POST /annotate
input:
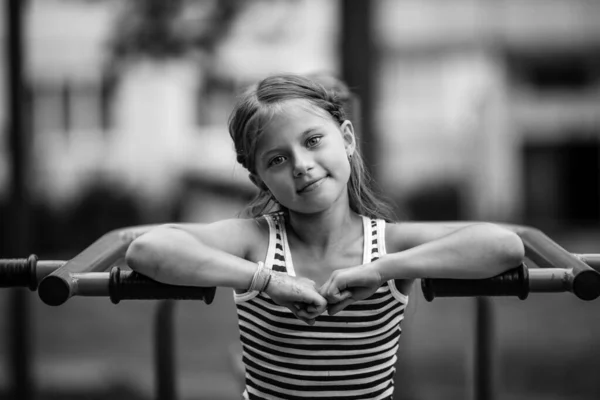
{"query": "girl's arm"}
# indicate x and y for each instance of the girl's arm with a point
(223, 254)
(196, 254)
(465, 251)
(456, 251)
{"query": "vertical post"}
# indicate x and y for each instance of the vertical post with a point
(165, 348)
(357, 63)
(17, 222)
(483, 357)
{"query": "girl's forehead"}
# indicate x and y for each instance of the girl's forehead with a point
(292, 118)
(296, 112)
(299, 108)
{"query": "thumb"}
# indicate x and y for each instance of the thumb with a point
(336, 308)
(341, 297)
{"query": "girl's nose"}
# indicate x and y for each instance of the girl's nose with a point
(302, 164)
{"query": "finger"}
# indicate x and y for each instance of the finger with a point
(324, 288)
(299, 313)
(307, 314)
(313, 302)
(312, 309)
(337, 296)
(317, 309)
(308, 320)
(336, 308)
(320, 304)
(332, 288)
(346, 294)
(293, 307)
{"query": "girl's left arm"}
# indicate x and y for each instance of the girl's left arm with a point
(429, 250)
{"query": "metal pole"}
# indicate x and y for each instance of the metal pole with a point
(483, 359)
(19, 345)
(358, 56)
(165, 352)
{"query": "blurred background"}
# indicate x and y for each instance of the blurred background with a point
(113, 113)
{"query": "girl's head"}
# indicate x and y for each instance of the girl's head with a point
(270, 99)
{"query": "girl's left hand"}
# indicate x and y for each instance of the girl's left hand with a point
(345, 286)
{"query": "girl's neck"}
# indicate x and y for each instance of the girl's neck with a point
(325, 229)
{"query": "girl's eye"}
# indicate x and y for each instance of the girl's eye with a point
(276, 160)
(313, 141)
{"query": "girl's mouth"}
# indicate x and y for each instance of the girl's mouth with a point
(312, 186)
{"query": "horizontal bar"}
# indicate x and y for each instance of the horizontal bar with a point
(59, 280)
(46, 267)
(593, 260)
(514, 282)
(546, 253)
(57, 287)
(130, 285)
(550, 280)
(91, 284)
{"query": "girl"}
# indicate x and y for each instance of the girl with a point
(321, 273)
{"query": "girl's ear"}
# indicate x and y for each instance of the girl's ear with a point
(349, 138)
(258, 182)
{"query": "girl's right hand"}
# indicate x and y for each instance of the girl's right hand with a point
(298, 294)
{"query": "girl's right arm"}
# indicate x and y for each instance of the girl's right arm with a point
(198, 254)
(218, 254)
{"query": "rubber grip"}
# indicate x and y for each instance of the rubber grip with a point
(130, 285)
(19, 272)
(514, 282)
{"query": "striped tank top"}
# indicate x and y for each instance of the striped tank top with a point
(350, 355)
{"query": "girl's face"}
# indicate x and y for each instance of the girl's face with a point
(302, 158)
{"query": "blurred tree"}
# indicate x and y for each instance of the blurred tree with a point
(159, 29)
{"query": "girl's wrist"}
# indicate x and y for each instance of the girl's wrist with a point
(388, 267)
(375, 268)
(260, 279)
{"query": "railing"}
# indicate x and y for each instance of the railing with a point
(557, 271)
(548, 268)
(86, 275)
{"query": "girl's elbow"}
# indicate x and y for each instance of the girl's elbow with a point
(139, 257)
(512, 248)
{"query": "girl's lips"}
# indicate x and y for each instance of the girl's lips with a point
(312, 186)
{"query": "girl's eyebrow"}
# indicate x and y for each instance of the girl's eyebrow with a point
(309, 131)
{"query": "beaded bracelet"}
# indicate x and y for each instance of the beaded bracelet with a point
(261, 278)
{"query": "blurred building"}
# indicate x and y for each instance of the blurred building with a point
(483, 109)
(154, 128)
(498, 99)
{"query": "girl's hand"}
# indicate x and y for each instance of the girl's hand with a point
(345, 286)
(298, 294)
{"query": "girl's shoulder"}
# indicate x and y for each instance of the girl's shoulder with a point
(401, 236)
(246, 229)
(243, 237)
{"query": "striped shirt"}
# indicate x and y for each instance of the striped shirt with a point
(350, 355)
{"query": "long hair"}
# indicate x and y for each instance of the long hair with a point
(261, 102)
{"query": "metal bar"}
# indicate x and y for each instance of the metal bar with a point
(45, 268)
(593, 260)
(483, 371)
(91, 284)
(548, 254)
(359, 60)
(547, 280)
(22, 383)
(164, 359)
(534, 279)
(59, 286)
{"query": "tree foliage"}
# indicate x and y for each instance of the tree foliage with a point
(161, 29)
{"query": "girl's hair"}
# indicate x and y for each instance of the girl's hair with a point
(261, 102)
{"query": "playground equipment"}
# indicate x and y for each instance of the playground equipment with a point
(548, 268)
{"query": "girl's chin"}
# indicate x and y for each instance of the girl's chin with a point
(315, 207)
